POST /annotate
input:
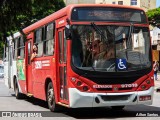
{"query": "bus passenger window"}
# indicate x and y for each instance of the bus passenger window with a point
(6, 54)
(39, 42)
(20, 48)
(34, 52)
(48, 45)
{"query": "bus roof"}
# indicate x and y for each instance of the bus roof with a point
(15, 35)
(66, 11)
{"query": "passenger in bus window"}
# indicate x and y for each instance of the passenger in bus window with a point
(34, 54)
(19, 57)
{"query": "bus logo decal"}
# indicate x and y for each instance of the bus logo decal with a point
(61, 22)
(115, 88)
(38, 64)
(121, 64)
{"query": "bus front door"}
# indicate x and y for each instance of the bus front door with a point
(29, 85)
(62, 45)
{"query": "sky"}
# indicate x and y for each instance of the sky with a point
(158, 3)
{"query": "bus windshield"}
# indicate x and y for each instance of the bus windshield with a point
(110, 48)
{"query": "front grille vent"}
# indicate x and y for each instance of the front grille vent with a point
(115, 97)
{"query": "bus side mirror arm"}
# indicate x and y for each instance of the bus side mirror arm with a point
(68, 32)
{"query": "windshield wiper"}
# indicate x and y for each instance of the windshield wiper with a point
(129, 42)
(99, 31)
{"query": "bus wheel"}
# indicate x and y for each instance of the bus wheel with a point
(51, 99)
(16, 90)
(117, 107)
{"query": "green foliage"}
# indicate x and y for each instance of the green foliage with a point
(154, 16)
(1, 49)
(43, 8)
(17, 14)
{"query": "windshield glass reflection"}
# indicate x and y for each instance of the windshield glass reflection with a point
(110, 48)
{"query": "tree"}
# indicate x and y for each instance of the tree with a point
(154, 16)
(17, 14)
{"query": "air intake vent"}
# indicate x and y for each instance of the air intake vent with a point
(115, 97)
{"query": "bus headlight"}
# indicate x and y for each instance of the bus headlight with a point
(80, 85)
(85, 88)
(145, 85)
(148, 81)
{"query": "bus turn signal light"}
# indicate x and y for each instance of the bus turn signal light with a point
(79, 83)
(85, 88)
(145, 85)
(148, 81)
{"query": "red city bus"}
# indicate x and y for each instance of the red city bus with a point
(88, 56)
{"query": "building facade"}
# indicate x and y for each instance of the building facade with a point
(145, 4)
(155, 41)
(155, 36)
(67, 2)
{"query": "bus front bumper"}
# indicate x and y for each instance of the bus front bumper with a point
(80, 99)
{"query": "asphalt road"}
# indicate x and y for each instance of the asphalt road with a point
(31, 107)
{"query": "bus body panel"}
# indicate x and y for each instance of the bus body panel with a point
(14, 72)
(22, 86)
(6, 73)
(13, 76)
(42, 70)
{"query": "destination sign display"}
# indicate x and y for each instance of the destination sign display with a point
(108, 14)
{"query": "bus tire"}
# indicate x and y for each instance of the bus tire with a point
(51, 99)
(117, 107)
(16, 90)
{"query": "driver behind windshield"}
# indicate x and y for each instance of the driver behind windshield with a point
(89, 50)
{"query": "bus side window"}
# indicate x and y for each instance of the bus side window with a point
(48, 41)
(15, 48)
(20, 48)
(38, 41)
(5, 58)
